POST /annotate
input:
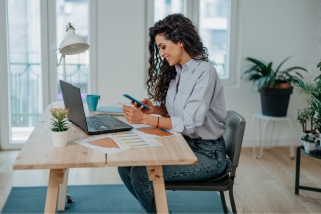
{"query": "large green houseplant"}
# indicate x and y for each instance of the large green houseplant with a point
(275, 86)
(312, 90)
(310, 137)
(312, 112)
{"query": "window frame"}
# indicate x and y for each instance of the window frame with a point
(48, 63)
(191, 10)
(5, 133)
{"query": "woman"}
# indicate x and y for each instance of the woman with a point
(190, 96)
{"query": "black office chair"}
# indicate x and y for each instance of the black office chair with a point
(233, 136)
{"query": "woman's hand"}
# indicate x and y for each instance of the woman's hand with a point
(133, 114)
(152, 109)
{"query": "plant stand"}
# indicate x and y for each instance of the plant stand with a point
(260, 117)
(297, 171)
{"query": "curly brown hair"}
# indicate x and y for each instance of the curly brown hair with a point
(175, 27)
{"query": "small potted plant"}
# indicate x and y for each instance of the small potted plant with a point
(310, 143)
(309, 137)
(59, 130)
(274, 85)
(313, 112)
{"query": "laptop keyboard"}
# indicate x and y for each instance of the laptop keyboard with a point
(97, 124)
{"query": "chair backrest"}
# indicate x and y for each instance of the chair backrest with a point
(233, 136)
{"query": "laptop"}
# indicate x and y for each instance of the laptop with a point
(91, 125)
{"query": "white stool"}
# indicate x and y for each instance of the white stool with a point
(266, 119)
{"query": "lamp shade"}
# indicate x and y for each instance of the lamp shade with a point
(73, 44)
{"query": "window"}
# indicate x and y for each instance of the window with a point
(212, 18)
(213, 29)
(31, 34)
(77, 66)
(217, 8)
(162, 8)
(24, 67)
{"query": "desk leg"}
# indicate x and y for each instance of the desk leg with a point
(63, 192)
(155, 174)
(55, 178)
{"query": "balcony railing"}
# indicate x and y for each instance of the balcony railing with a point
(26, 90)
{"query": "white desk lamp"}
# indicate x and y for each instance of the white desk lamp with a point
(72, 44)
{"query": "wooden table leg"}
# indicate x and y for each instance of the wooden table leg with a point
(155, 174)
(55, 178)
(61, 205)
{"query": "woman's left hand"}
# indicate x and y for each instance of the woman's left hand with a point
(133, 115)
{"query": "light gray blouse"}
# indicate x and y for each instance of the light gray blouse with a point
(197, 107)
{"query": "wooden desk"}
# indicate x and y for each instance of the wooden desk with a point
(39, 153)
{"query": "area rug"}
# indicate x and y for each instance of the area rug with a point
(109, 199)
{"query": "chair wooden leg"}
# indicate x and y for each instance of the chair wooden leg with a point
(223, 202)
(232, 198)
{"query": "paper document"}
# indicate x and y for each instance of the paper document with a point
(103, 143)
(139, 137)
(151, 130)
(132, 139)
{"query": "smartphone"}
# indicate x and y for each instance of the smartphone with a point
(136, 101)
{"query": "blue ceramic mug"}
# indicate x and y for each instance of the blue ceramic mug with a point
(92, 101)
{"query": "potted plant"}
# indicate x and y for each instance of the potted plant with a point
(310, 137)
(313, 112)
(274, 85)
(59, 130)
(310, 143)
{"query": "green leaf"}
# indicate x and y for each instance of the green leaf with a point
(277, 70)
(266, 82)
(272, 80)
(269, 81)
(254, 76)
(318, 78)
(257, 62)
(259, 83)
(269, 69)
(256, 86)
(264, 75)
(295, 68)
(255, 69)
(297, 73)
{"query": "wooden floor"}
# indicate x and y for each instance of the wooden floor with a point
(264, 185)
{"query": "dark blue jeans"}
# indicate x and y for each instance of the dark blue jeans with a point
(211, 157)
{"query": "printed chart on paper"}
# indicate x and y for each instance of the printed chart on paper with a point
(130, 139)
(139, 137)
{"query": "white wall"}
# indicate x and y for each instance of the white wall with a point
(268, 30)
(271, 31)
(274, 29)
(121, 49)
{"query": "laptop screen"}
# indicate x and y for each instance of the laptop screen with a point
(73, 101)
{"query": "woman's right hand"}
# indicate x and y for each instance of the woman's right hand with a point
(152, 109)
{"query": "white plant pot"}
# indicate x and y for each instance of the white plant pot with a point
(309, 147)
(60, 139)
(303, 134)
